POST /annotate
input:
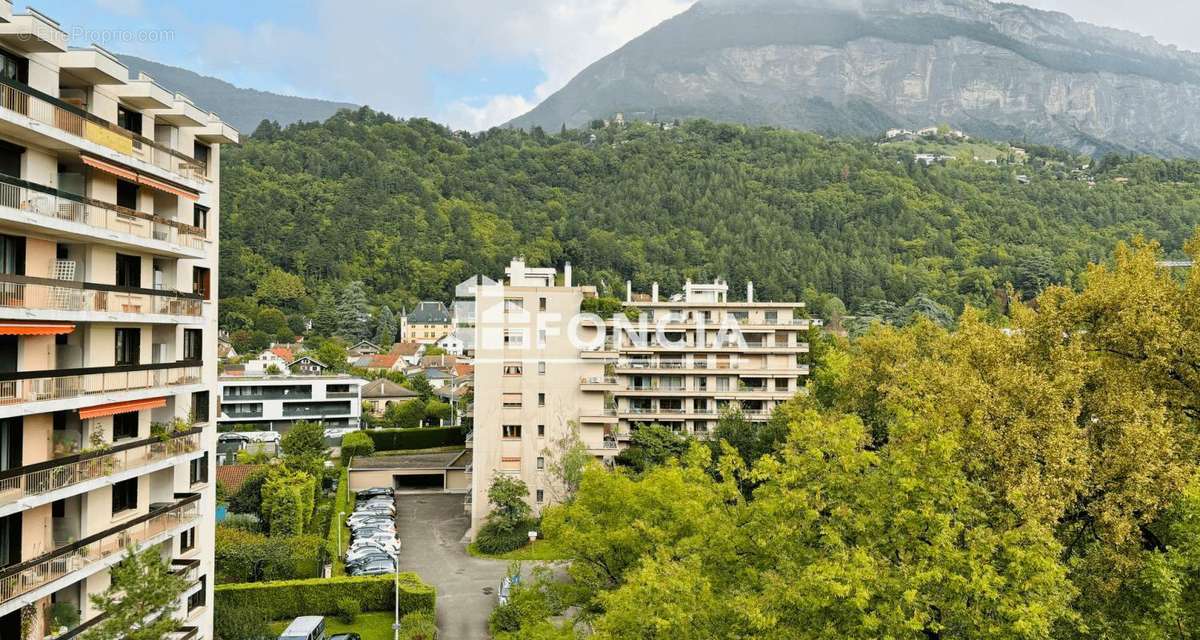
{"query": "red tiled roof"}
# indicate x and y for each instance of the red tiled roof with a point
(283, 352)
(463, 370)
(405, 348)
(233, 476)
(383, 361)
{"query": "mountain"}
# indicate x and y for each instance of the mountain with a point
(242, 108)
(1001, 71)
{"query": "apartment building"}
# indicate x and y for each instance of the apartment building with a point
(426, 324)
(108, 271)
(275, 403)
(684, 361)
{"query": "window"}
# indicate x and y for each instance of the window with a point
(541, 462)
(193, 344)
(198, 470)
(541, 304)
(772, 317)
(200, 406)
(129, 120)
(541, 368)
(337, 388)
(541, 399)
(514, 338)
(187, 540)
(127, 194)
(10, 540)
(129, 271)
(513, 305)
(200, 216)
(128, 346)
(196, 600)
(541, 496)
(512, 368)
(125, 425)
(14, 69)
(541, 431)
(201, 153)
(11, 442)
(201, 282)
(512, 400)
(124, 496)
(12, 255)
(511, 431)
(541, 338)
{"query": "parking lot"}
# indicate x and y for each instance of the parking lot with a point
(431, 527)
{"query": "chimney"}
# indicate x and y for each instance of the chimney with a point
(628, 291)
(749, 291)
(567, 275)
(654, 292)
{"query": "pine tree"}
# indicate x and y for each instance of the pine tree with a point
(352, 316)
(136, 605)
(385, 333)
(325, 320)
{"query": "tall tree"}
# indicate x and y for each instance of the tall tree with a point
(385, 331)
(137, 603)
(353, 319)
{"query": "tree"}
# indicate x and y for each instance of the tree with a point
(280, 289)
(333, 354)
(304, 447)
(404, 415)
(566, 458)
(248, 498)
(511, 518)
(385, 331)
(436, 412)
(356, 443)
(352, 315)
(420, 384)
(651, 446)
(138, 603)
(271, 321)
(288, 500)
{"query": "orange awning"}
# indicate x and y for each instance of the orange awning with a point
(167, 188)
(121, 407)
(34, 328)
(108, 167)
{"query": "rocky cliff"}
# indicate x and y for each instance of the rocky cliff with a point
(860, 66)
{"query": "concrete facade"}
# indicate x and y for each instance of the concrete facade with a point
(109, 216)
(274, 403)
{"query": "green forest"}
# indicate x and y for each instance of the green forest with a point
(409, 208)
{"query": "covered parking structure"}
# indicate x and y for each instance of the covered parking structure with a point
(447, 472)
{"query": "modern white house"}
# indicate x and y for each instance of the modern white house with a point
(275, 403)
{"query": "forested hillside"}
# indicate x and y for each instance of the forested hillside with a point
(410, 209)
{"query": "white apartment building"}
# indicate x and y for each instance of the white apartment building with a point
(275, 403)
(684, 362)
(109, 212)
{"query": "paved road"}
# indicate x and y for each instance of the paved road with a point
(431, 527)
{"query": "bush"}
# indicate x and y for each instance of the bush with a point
(500, 536)
(245, 556)
(248, 498)
(347, 610)
(288, 499)
(403, 439)
(243, 521)
(356, 443)
(240, 623)
(293, 598)
(418, 626)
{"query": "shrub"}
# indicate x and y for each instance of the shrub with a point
(293, 598)
(287, 501)
(232, 622)
(403, 415)
(402, 439)
(243, 521)
(246, 556)
(356, 443)
(347, 610)
(501, 536)
(418, 626)
(248, 498)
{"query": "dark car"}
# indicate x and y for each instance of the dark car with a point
(367, 560)
(374, 492)
(346, 636)
(376, 568)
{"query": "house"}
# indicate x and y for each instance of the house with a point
(437, 378)
(307, 366)
(383, 393)
(382, 362)
(225, 350)
(428, 322)
(451, 344)
(438, 362)
(363, 348)
(409, 353)
(928, 131)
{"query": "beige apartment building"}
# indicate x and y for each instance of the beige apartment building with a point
(687, 359)
(108, 272)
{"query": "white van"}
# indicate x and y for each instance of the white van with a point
(305, 628)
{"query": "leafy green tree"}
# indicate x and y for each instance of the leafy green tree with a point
(385, 331)
(271, 321)
(352, 316)
(404, 415)
(651, 446)
(420, 384)
(333, 354)
(356, 443)
(437, 412)
(304, 447)
(280, 289)
(139, 602)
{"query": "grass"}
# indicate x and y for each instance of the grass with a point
(409, 452)
(538, 551)
(371, 626)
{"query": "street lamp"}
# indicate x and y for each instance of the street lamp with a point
(396, 624)
(341, 523)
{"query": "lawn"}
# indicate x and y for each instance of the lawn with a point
(538, 551)
(371, 626)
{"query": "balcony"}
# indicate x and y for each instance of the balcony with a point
(258, 394)
(44, 207)
(26, 294)
(42, 478)
(598, 383)
(21, 387)
(51, 111)
(95, 550)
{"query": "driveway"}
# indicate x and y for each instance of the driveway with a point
(431, 527)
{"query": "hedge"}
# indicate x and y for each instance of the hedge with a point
(245, 556)
(403, 439)
(286, 599)
(343, 502)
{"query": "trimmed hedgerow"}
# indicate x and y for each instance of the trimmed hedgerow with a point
(293, 598)
(403, 439)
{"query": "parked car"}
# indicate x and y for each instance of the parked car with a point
(375, 492)
(366, 561)
(305, 628)
(346, 636)
(377, 508)
(386, 523)
(377, 568)
(369, 547)
(372, 532)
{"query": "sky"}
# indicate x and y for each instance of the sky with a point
(470, 64)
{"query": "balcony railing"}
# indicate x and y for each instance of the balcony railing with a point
(30, 197)
(51, 111)
(60, 384)
(52, 475)
(27, 576)
(45, 294)
(598, 380)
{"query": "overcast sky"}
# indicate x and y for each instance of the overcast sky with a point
(469, 63)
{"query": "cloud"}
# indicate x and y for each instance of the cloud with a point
(382, 52)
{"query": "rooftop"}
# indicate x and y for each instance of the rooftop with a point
(444, 460)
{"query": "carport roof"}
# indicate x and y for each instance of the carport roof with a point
(437, 461)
